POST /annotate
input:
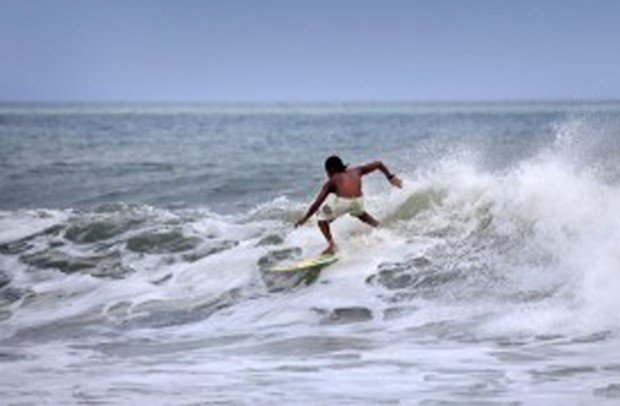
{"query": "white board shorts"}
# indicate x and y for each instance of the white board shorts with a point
(341, 206)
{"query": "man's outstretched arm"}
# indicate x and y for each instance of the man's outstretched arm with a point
(373, 166)
(325, 190)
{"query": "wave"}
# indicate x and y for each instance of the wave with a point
(464, 252)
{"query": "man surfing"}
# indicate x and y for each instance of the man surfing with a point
(346, 183)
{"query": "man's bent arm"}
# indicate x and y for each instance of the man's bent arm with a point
(373, 166)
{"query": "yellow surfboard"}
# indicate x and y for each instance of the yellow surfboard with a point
(305, 264)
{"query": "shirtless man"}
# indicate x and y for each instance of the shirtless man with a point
(347, 185)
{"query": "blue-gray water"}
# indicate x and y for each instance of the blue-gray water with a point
(135, 243)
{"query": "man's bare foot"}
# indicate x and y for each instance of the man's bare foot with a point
(330, 250)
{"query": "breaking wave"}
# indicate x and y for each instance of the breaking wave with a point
(464, 253)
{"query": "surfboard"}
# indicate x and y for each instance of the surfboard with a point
(310, 263)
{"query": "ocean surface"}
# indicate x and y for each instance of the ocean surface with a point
(136, 243)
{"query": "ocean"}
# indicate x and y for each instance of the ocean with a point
(136, 239)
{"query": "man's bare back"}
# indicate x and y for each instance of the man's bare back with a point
(346, 184)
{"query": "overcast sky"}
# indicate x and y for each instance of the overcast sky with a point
(308, 50)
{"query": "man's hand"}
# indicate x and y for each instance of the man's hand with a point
(395, 181)
(300, 222)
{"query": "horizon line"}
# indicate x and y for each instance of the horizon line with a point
(321, 102)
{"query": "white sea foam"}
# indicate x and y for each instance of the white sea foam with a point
(479, 283)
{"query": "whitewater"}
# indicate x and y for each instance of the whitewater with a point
(135, 243)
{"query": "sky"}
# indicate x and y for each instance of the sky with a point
(308, 50)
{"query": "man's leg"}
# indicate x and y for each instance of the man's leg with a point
(324, 226)
(368, 219)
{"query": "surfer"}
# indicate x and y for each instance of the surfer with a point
(346, 183)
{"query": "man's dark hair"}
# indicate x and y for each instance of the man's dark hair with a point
(334, 164)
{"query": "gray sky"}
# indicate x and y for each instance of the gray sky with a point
(312, 50)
